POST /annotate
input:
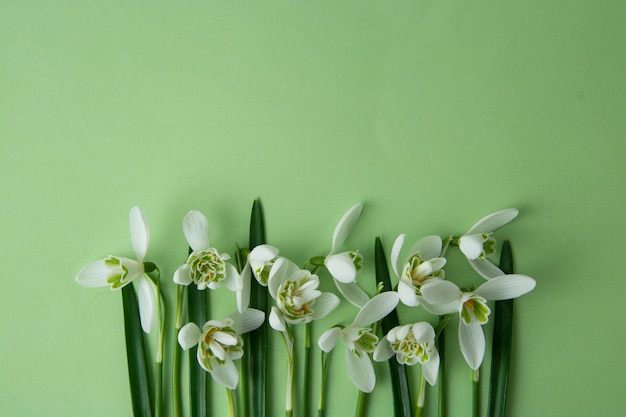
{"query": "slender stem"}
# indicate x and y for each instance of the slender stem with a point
(308, 363)
(289, 345)
(159, 351)
(475, 393)
(322, 403)
(421, 397)
(231, 402)
(176, 410)
(441, 381)
(360, 404)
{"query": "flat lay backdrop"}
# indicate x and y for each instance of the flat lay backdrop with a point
(431, 113)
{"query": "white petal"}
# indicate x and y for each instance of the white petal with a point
(139, 232)
(196, 230)
(281, 271)
(485, 268)
(324, 304)
(225, 338)
(243, 296)
(430, 369)
(94, 275)
(232, 280)
(277, 320)
(361, 371)
(249, 320)
(147, 300)
(383, 350)
(226, 374)
(189, 336)
(506, 287)
(427, 248)
(493, 221)
(440, 309)
(472, 343)
(437, 263)
(353, 293)
(341, 267)
(263, 253)
(407, 294)
(182, 276)
(345, 225)
(328, 340)
(423, 332)
(395, 254)
(437, 291)
(376, 308)
(471, 246)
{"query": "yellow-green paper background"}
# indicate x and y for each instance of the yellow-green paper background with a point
(432, 113)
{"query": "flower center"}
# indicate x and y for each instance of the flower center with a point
(219, 342)
(365, 343)
(123, 271)
(296, 297)
(207, 267)
(410, 350)
(475, 308)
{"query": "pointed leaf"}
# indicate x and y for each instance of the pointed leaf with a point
(345, 226)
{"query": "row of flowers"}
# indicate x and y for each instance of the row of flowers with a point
(296, 298)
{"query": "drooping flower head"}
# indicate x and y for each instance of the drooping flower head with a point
(297, 298)
(411, 344)
(360, 339)
(423, 263)
(117, 272)
(478, 243)
(445, 297)
(205, 266)
(220, 343)
(258, 264)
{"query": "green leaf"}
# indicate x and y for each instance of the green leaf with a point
(402, 404)
(255, 345)
(197, 308)
(501, 344)
(136, 355)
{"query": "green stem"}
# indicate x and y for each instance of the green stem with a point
(360, 404)
(322, 404)
(289, 345)
(176, 410)
(421, 397)
(231, 402)
(308, 363)
(135, 354)
(155, 276)
(441, 382)
(475, 393)
(197, 376)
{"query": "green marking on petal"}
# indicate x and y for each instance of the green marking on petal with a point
(368, 340)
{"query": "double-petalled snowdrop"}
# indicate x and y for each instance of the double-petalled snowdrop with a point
(117, 272)
(205, 266)
(478, 244)
(411, 344)
(258, 263)
(297, 298)
(360, 339)
(220, 343)
(472, 307)
(423, 263)
(344, 266)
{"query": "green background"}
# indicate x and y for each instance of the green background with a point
(432, 113)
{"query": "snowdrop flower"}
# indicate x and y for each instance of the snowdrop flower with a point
(421, 265)
(472, 308)
(411, 344)
(220, 343)
(205, 267)
(259, 263)
(360, 340)
(117, 272)
(344, 266)
(297, 298)
(478, 244)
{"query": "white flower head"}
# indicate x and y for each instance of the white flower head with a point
(220, 343)
(117, 272)
(360, 339)
(258, 263)
(343, 267)
(205, 266)
(423, 263)
(411, 344)
(477, 244)
(297, 298)
(473, 309)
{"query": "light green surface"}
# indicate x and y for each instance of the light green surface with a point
(433, 113)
